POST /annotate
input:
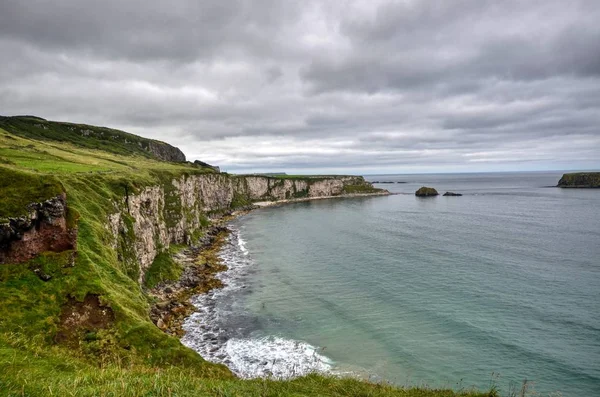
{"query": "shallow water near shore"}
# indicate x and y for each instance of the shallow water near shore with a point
(500, 284)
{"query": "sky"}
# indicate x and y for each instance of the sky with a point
(319, 86)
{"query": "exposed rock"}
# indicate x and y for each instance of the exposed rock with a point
(452, 194)
(580, 180)
(203, 164)
(43, 229)
(164, 151)
(426, 192)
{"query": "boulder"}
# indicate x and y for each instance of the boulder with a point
(452, 194)
(426, 192)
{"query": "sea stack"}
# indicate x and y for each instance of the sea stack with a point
(580, 180)
(426, 192)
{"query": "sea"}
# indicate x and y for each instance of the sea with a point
(499, 287)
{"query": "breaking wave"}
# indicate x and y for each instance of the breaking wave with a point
(221, 331)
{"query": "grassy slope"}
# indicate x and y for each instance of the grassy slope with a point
(134, 357)
(82, 135)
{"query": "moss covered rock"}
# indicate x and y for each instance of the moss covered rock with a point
(426, 192)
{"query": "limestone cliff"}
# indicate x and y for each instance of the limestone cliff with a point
(147, 222)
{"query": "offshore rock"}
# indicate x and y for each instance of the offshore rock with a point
(452, 194)
(426, 192)
(580, 180)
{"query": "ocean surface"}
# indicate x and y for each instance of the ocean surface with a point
(497, 286)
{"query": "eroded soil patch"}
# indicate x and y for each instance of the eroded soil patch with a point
(78, 318)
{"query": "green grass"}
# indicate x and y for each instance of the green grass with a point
(133, 357)
(52, 372)
(364, 188)
(81, 135)
(163, 268)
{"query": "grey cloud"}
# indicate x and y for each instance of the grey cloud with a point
(317, 85)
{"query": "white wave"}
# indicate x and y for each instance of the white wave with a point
(274, 357)
(247, 357)
(242, 244)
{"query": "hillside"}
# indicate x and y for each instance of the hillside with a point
(87, 226)
(90, 137)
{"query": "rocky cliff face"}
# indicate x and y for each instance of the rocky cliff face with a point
(580, 180)
(164, 151)
(45, 228)
(146, 223)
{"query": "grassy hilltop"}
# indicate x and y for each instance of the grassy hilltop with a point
(40, 355)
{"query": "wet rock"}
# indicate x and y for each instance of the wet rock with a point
(452, 194)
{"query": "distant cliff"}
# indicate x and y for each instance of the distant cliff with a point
(580, 180)
(91, 137)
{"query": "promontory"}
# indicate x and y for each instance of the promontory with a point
(580, 180)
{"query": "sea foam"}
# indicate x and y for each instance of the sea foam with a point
(222, 333)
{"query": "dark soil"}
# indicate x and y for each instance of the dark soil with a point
(79, 318)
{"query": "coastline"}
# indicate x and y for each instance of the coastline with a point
(300, 200)
(202, 264)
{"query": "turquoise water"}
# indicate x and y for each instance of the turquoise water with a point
(500, 284)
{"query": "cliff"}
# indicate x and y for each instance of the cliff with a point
(580, 180)
(149, 221)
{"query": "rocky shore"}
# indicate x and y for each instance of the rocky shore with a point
(201, 263)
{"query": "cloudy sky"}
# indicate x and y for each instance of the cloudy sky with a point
(319, 85)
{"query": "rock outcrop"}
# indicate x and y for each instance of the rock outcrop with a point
(580, 180)
(165, 152)
(452, 194)
(44, 228)
(426, 192)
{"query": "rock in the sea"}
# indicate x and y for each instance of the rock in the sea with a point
(426, 192)
(580, 180)
(452, 194)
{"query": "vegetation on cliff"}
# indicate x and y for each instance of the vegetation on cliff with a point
(91, 137)
(77, 322)
(580, 180)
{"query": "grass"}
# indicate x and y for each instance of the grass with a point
(81, 135)
(49, 372)
(163, 268)
(133, 357)
(363, 188)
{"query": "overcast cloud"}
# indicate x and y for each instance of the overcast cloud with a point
(319, 86)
